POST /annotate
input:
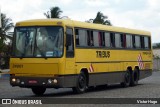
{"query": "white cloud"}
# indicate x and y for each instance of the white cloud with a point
(21, 10)
(96, 2)
(144, 18)
(139, 14)
(66, 2)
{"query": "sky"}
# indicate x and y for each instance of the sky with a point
(136, 14)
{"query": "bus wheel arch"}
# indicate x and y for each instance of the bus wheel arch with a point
(130, 69)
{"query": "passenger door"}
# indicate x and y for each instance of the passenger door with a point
(70, 60)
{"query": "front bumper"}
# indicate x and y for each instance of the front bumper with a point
(48, 82)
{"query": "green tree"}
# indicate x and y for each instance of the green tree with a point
(7, 24)
(54, 12)
(101, 19)
(157, 45)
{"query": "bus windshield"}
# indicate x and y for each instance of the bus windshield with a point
(38, 42)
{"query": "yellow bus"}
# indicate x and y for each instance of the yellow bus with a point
(58, 53)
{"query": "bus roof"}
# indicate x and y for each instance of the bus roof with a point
(78, 24)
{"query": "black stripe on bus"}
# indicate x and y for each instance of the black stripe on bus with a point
(111, 61)
(112, 48)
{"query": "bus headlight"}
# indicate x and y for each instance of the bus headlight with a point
(13, 80)
(55, 81)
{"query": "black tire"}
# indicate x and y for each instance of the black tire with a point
(135, 77)
(38, 90)
(127, 78)
(81, 84)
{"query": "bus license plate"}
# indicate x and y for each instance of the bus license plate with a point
(32, 81)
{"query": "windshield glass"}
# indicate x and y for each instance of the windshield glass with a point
(38, 42)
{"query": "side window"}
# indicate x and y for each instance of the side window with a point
(90, 37)
(70, 48)
(133, 41)
(77, 37)
(107, 39)
(117, 40)
(112, 39)
(149, 42)
(146, 42)
(142, 42)
(81, 37)
(101, 39)
(96, 38)
(129, 41)
(91, 40)
(137, 41)
(123, 40)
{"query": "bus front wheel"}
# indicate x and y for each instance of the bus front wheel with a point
(38, 90)
(81, 84)
(126, 79)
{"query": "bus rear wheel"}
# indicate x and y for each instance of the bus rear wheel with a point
(38, 90)
(81, 84)
(135, 77)
(126, 79)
